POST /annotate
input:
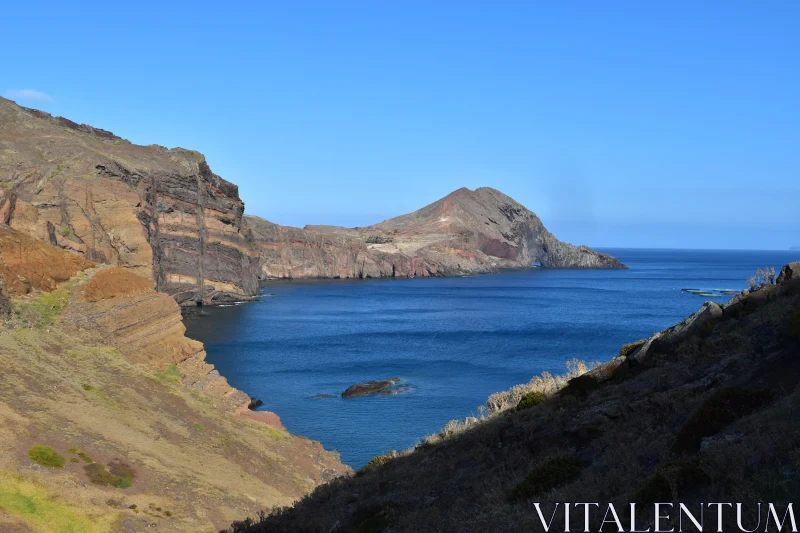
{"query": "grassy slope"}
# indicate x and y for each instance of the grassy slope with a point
(709, 417)
(196, 467)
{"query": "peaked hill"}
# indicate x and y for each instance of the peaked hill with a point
(466, 232)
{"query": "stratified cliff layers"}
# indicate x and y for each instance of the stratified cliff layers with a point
(160, 213)
(163, 214)
(467, 232)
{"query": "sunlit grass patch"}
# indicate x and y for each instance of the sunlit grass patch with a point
(169, 375)
(46, 456)
(31, 503)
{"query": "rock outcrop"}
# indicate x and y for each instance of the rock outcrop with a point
(370, 387)
(161, 213)
(467, 232)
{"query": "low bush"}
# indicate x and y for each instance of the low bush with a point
(683, 476)
(46, 456)
(792, 328)
(629, 348)
(118, 474)
(720, 409)
(530, 399)
(379, 460)
(82, 454)
(580, 387)
(550, 475)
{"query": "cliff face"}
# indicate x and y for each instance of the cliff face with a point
(467, 232)
(160, 213)
(704, 411)
(97, 367)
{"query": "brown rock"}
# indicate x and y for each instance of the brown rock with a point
(114, 282)
(789, 271)
(370, 387)
(27, 263)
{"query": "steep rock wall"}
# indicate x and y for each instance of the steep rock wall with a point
(161, 213)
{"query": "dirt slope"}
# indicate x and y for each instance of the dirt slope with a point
(150, 435)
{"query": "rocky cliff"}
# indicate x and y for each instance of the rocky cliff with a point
(704, 411)
(161, 213)
(467, 232)
(112, 419)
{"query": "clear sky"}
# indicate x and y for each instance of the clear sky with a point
(643, 124)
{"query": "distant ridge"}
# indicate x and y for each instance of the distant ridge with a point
(466, 232)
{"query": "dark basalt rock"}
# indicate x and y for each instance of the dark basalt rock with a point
(370, 387)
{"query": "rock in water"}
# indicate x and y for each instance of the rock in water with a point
(370, 387)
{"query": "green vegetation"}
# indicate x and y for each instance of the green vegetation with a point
(720, 409)
(64, 231)
(580, 387)
(378, 460)
(46, 456)
(30, 503)
(118, 474)
(82, 454)
(169, 375)
(628, 349)
(198, 426)
(530, 399)
(552, 474)
(43, 309)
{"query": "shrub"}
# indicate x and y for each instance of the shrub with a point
(378, 239)
(683, 476)
(580, 387)
(546, 383)
(530, 399)
(628, 349)
(46, 456)
(550, 475)
(118, 474)
(717, 411)
(792, 329)
(80, 453)
(763, 276)
(198, 426)
(379, 460)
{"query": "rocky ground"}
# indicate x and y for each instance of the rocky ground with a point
(704, 411)
(111, 418)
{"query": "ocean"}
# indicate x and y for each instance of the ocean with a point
(453, 341)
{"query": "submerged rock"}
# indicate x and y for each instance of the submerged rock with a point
(371, 387)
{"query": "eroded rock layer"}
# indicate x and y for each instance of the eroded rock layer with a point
(161, 213)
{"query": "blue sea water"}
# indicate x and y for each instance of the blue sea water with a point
(455, 341)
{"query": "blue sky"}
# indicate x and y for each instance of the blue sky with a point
(643, 124)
